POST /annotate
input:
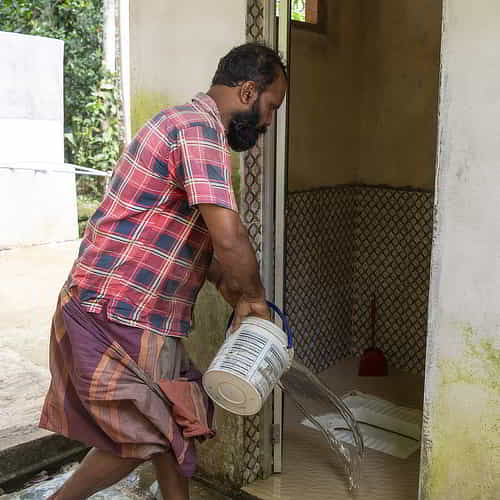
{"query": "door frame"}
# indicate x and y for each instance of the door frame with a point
(275, 200)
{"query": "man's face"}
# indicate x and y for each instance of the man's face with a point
(246, 126)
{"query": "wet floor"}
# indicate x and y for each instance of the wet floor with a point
(138, 485)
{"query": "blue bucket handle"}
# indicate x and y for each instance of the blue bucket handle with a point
(284, 320)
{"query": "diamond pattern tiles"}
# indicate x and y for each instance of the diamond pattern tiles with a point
(345, 244)
(255, 20)
(252, 465)
(393, 235)
(319, 274)
(251, 212)
(251, 195)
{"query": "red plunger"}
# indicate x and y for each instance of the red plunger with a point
(373, 362)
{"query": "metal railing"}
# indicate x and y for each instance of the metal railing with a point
(47, 167)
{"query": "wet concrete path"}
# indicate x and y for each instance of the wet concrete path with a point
(30, 281)
(31, 278)
(138, 485)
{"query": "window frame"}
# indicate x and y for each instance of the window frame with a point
(320, 26)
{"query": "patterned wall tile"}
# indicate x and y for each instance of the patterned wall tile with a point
(346, 244)
(318, 274)
(251, 212)
(393, 240)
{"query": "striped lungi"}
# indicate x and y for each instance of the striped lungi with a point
(123, 390)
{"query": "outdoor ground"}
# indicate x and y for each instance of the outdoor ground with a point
(140, 485)
(30, 280)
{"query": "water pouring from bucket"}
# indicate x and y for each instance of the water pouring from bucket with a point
(249, 364)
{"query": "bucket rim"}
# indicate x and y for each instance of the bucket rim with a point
(236, 411)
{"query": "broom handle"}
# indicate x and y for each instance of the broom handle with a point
(373, 319)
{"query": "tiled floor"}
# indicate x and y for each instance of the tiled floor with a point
(310, 470)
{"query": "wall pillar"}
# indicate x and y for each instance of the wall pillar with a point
(461, 435)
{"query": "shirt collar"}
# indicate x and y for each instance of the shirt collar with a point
(209, 105)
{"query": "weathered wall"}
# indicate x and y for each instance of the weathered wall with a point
(221, 457)
(462, 406)
(400, 72)
(174, 51)
(324, 101)
(175, 47)
(363, 96)
(31, 130)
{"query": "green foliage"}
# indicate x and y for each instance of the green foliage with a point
(95, 140)
(86, 206)
(91, 101)
(298, 9)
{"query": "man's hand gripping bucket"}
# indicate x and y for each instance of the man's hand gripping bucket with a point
(249, 364)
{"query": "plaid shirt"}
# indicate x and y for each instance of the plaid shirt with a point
(146, 250)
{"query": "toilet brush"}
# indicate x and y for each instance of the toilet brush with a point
(373, 362)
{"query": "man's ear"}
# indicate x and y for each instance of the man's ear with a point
(248, 92)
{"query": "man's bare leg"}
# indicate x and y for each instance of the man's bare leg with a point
(98, 470)
(173, 485)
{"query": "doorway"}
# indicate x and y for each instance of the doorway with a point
(362, 138)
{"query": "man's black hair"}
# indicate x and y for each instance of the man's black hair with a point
(249, 62)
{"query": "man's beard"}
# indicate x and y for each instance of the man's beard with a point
(243, 130)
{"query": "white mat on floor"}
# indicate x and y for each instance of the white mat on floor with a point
(385, 416)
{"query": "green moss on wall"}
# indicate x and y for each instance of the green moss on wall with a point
(222, 457)
(465, 445)
(147, 104)
(144, 106)
(236, 174)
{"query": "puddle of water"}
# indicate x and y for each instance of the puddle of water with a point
(313, 397)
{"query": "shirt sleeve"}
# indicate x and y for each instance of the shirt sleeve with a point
(205, 167)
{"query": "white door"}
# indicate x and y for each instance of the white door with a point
(280, 199)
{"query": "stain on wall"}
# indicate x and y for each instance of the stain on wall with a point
(400, 73)
(324, 100)
(461, 437)
(222, 457)
(463, 450)
(145, 105)
(363, 96)
(174, 51)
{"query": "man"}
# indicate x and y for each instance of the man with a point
(121, 381)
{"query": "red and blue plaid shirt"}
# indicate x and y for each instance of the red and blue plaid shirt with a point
(146, 250)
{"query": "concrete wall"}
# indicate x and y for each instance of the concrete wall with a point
(462, 407)
(36, 207)
(324, 100)
(174, 51)
(363, 104)
(400, 73)
(175, 47)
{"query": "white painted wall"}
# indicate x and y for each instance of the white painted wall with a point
(35, 207)
(174, 51)
(109, 35)
(175, 47)
(462, 407)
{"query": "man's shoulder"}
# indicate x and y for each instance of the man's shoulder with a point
(182, 117)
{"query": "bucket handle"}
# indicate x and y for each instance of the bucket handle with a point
(284, 320)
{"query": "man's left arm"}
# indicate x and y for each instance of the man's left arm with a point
(214, 273)
(216, 277)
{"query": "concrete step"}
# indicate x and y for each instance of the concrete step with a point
(140, 484)
(30, 457)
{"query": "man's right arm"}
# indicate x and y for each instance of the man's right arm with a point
(236, 257)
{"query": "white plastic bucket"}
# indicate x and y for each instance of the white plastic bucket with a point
(248, 366)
